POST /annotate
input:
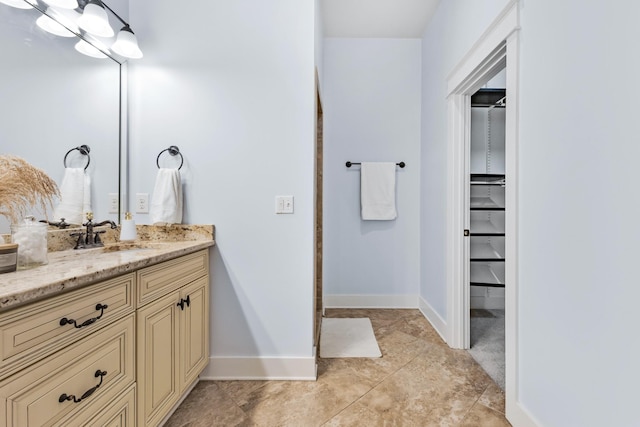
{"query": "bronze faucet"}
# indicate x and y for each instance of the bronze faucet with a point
(91, 239)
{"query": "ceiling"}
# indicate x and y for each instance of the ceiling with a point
(377, 18)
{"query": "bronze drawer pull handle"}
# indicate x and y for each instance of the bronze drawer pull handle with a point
(183, 301)
(101, 307)
(63, 397)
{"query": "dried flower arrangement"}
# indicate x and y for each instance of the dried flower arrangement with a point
(22, 186)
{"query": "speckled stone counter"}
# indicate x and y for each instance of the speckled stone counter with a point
(70, 269)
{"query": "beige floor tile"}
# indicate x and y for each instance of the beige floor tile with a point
(358, 415)
(240, 390)
(295, 403)
(207, 405)
(493, 397)
(419, 382)
(481, 416)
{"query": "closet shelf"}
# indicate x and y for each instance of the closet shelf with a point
(485, 228)
(483, 275)
(489, 285)
(487, 179)
(485, 252)
(484, 203)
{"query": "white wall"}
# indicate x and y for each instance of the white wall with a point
(371, 113)
(577, 208)
(449, 35)
(578, 241)
(232, 85)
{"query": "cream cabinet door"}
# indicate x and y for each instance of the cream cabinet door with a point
(194, 330)
(158, 388)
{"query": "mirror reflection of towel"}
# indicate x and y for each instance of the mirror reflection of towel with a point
(378, 191)
(166, 201)
(75, 196)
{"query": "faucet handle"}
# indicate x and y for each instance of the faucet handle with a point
(89, 216)
(80, 242)
(96, 240)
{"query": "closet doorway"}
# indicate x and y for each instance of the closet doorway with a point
(495, 50)
(486, 232)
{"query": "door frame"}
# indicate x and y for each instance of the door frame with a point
(497, 48)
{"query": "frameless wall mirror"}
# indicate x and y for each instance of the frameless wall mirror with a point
(52, 99)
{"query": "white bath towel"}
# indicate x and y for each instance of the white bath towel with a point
(166, 201)
(75, 196)
(378, 191)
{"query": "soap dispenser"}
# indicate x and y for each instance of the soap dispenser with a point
(128, 228)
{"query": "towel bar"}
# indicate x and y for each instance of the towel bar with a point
(348, 164)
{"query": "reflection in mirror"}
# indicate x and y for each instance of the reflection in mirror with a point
(53, 99)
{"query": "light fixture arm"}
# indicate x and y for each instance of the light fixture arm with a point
(116, 15)
(83, 3)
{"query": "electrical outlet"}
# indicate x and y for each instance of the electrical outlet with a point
(142, 202)
(113, 203)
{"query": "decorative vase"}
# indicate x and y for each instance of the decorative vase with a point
(8, 257)
(31, 236)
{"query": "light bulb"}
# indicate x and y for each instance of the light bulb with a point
(94, 20)
(88, 49)
(126, 44)
(55, 23)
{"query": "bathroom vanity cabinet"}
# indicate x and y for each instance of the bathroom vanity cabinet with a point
(173, 333)
(119, 352)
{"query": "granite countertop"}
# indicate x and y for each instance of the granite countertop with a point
(70, 269)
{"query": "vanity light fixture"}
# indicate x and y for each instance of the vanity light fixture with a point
(54, 23)
(89, 49)
(127, 44)
(66, 22)
(94, 19)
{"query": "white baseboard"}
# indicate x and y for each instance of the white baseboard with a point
(370, 301)
(519, 416)
(438, 323)
(260, 368)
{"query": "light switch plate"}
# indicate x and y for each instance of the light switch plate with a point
(284, 204)
(288, 204)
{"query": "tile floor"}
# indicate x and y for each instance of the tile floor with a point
(419, 381)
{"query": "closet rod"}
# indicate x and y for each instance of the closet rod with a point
(348, 164)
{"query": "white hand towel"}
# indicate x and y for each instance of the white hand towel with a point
(166, 202)
(75, 196)
(378, 191)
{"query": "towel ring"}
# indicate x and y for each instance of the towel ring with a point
(83, 149)
(174, 151)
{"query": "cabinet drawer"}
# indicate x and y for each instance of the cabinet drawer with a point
(121, 413)
(33, 397)
(34, 331)
(157, 280)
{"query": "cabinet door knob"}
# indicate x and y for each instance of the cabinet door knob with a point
(184, 301)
